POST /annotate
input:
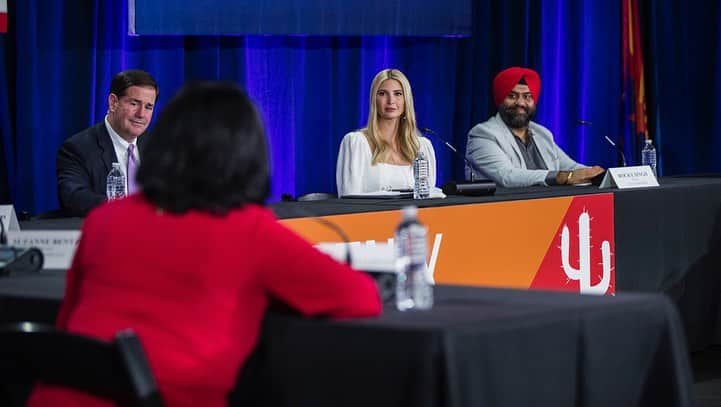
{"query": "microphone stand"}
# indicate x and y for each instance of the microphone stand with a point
(330, 225)
(467, 188)
(618, 149)
(385, 281)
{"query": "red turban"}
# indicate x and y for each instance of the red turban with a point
(507, 79)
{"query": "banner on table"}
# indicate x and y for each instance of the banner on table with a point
(564, 243)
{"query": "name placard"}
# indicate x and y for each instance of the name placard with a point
(629, 177)
(364, 256)
(58, 246)
(9, 218)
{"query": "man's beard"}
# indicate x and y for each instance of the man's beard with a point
(514, 119)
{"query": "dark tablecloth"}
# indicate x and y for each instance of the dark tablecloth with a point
(476, 347)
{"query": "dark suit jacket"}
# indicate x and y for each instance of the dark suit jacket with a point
(83, 163)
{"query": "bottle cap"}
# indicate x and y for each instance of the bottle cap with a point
(409, 212)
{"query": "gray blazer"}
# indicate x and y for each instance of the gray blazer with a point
(493, 150)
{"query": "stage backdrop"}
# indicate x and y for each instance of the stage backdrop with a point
(306, 17)
(60, 56)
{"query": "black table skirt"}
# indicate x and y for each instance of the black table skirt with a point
(476, 347)
(479, 347)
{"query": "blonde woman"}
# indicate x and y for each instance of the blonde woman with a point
(379, 157)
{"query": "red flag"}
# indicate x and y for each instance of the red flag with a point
(634, 91)
(3, 16)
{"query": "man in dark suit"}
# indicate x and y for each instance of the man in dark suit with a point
(85, 159)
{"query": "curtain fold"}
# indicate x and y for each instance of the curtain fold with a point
(684, 80)
(6, 145)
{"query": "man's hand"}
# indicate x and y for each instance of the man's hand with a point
(578, 176)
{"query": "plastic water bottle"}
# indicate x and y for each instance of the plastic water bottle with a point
(648, 156)
(413, 288)
(421, 189)
(115, 184)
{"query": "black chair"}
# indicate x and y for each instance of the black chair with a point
(118, 370)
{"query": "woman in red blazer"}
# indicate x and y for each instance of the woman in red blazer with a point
(191, 263)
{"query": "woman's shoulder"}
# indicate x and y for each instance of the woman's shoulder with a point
(355, 141)
(354, 137)
(425, 142)
(257, 212)
(427, 147)
(117, 211)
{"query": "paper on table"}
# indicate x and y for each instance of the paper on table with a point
(435, 193)
(380, 194)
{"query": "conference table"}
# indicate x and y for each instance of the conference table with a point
(476, 347)
(667, 239)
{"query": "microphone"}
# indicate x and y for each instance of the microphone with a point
(468, 188)
(330, 225)
(618, 149)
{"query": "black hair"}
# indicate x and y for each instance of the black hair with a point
(132, 77)
(207, 151)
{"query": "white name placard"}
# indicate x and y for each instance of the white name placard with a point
(9, 218)
(629, 177)
(58, 246)
(367, 257)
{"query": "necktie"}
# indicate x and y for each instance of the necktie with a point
(131, 169)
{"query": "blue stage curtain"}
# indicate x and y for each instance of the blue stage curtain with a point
(684, 40)
(311, 90)
(6, 133)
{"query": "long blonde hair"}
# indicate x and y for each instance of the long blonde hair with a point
(408, 141)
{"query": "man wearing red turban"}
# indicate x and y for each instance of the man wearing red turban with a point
(514, 151)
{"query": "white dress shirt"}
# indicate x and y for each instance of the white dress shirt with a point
(121, 149)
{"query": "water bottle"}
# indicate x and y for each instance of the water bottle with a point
(648, 156)
(115, 184)
(421, 189)
(413, 288)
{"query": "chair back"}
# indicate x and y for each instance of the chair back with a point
(116, 370)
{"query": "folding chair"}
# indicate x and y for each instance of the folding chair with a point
(117, 370)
